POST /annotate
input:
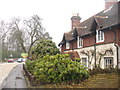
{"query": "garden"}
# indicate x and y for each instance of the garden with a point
(50, 67)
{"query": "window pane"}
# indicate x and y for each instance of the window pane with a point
(108, 62)
(67, 45)
(84, 61)
(98, 35)
(80, 42)
(102, 35)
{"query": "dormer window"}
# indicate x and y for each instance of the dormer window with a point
(67, 45)
(99, 36)
(80, 42)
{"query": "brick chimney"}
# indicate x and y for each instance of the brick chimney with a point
(109, 3)
(75, 20)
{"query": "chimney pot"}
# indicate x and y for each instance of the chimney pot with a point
(75, 20)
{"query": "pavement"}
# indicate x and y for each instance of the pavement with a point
(5, 69)
(15, 79)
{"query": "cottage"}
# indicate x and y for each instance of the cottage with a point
(96, 41)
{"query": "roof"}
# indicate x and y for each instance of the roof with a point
(103, 19)
(68, 36)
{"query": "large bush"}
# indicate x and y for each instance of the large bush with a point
(44, 47)
(58, 68)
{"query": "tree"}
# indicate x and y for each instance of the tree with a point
(34, 29)
(45, 47)
(20, 35)
(3, 36)
(30, 32)
(17, 34)
(17, 39)
(3, 30)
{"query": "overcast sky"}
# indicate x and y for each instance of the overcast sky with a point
(56, 14)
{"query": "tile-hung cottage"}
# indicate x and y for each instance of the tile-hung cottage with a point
(96, 41)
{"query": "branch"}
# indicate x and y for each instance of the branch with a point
(86, 53)
(31, 46)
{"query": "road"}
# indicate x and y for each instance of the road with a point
(11, 74)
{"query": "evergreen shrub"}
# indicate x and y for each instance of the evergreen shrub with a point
(57, 68)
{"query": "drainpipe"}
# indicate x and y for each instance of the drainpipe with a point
(95, 50)
(116, 49)
(117, 55)
(72, 47)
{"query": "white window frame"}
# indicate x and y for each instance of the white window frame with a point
(67, 45)
(99, 36)
(80, 42)
(86, 61)
(60, 48)
(107, 62)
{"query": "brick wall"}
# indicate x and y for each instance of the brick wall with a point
(73, 44)
(72, 54)
(118, 37)
(88, 41)
(108, 35)
(63, 48)
(75, 23)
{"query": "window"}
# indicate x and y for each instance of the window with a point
(80, 42)
(99, 36)
(108, 62)
(67, 45)
(60, 48)
(84, 61)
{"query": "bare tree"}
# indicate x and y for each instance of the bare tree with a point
(17, 35)
(30, 32)
(3, 30)
(3, 35)
(34, 30)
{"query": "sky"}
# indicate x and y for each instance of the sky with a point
(55, 14)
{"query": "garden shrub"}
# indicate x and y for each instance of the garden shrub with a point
(57, 68)
(44, 47)
(30, 65)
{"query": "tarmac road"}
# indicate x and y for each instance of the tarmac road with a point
(15, 79)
